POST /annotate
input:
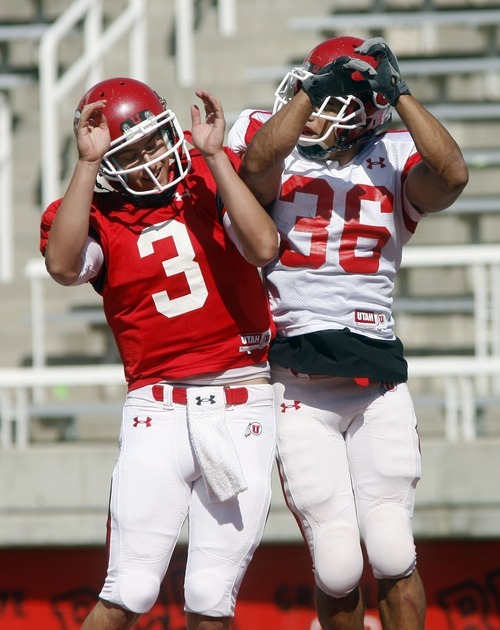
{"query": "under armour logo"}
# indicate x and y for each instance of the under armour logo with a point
(138, 421)
(178, 196)
(253, 428)
(380, 162)
(209, 399)
(295, 405)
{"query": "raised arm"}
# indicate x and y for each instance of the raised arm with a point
(70, 227)
(253, 227)
(264, 158)
(263, 162)
(435, 183)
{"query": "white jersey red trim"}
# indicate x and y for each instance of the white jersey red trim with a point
(342, 231)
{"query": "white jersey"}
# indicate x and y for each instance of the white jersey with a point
(342, 232)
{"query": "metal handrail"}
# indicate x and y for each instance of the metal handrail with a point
(97, 41)
(465, 377)
(459, 374)
(6, 197)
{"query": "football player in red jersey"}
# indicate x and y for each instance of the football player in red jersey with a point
(172, 239)
(347, 195)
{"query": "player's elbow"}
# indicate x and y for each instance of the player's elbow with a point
(65, 279)
(263, 260)
(460, 178)
(62, 274)
(454, 184)
(266, 251)
(455, 176)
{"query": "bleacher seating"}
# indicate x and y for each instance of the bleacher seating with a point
(442, 66)
(381, 20)
(13, 37)
(447, 313)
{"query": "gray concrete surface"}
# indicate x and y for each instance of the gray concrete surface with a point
(58, 494)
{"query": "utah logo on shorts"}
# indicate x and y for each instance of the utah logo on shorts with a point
(253, 428)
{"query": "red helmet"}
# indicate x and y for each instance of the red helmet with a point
(133, 112)
(361, 115)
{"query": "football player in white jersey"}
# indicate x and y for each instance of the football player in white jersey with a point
(347, 195)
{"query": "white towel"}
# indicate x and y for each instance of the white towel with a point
(212, 443)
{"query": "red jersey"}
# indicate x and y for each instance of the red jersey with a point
(180, 299)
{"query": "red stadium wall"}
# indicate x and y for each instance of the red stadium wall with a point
(54, 589)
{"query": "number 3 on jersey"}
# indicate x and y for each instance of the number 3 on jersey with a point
(360, 244)
(180, 264)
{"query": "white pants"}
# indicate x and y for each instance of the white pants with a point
(157, 484)
(349, 460)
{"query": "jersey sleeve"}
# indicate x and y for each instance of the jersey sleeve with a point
(46, 223)
(403, 155)
(92, 254)
(411, 213)
(92, 262)
(244, 129)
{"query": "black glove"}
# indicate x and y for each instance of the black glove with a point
(386, 79)
(334, 79)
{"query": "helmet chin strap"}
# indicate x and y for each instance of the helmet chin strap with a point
(154, 200)
(316, 151)
(320, 151)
